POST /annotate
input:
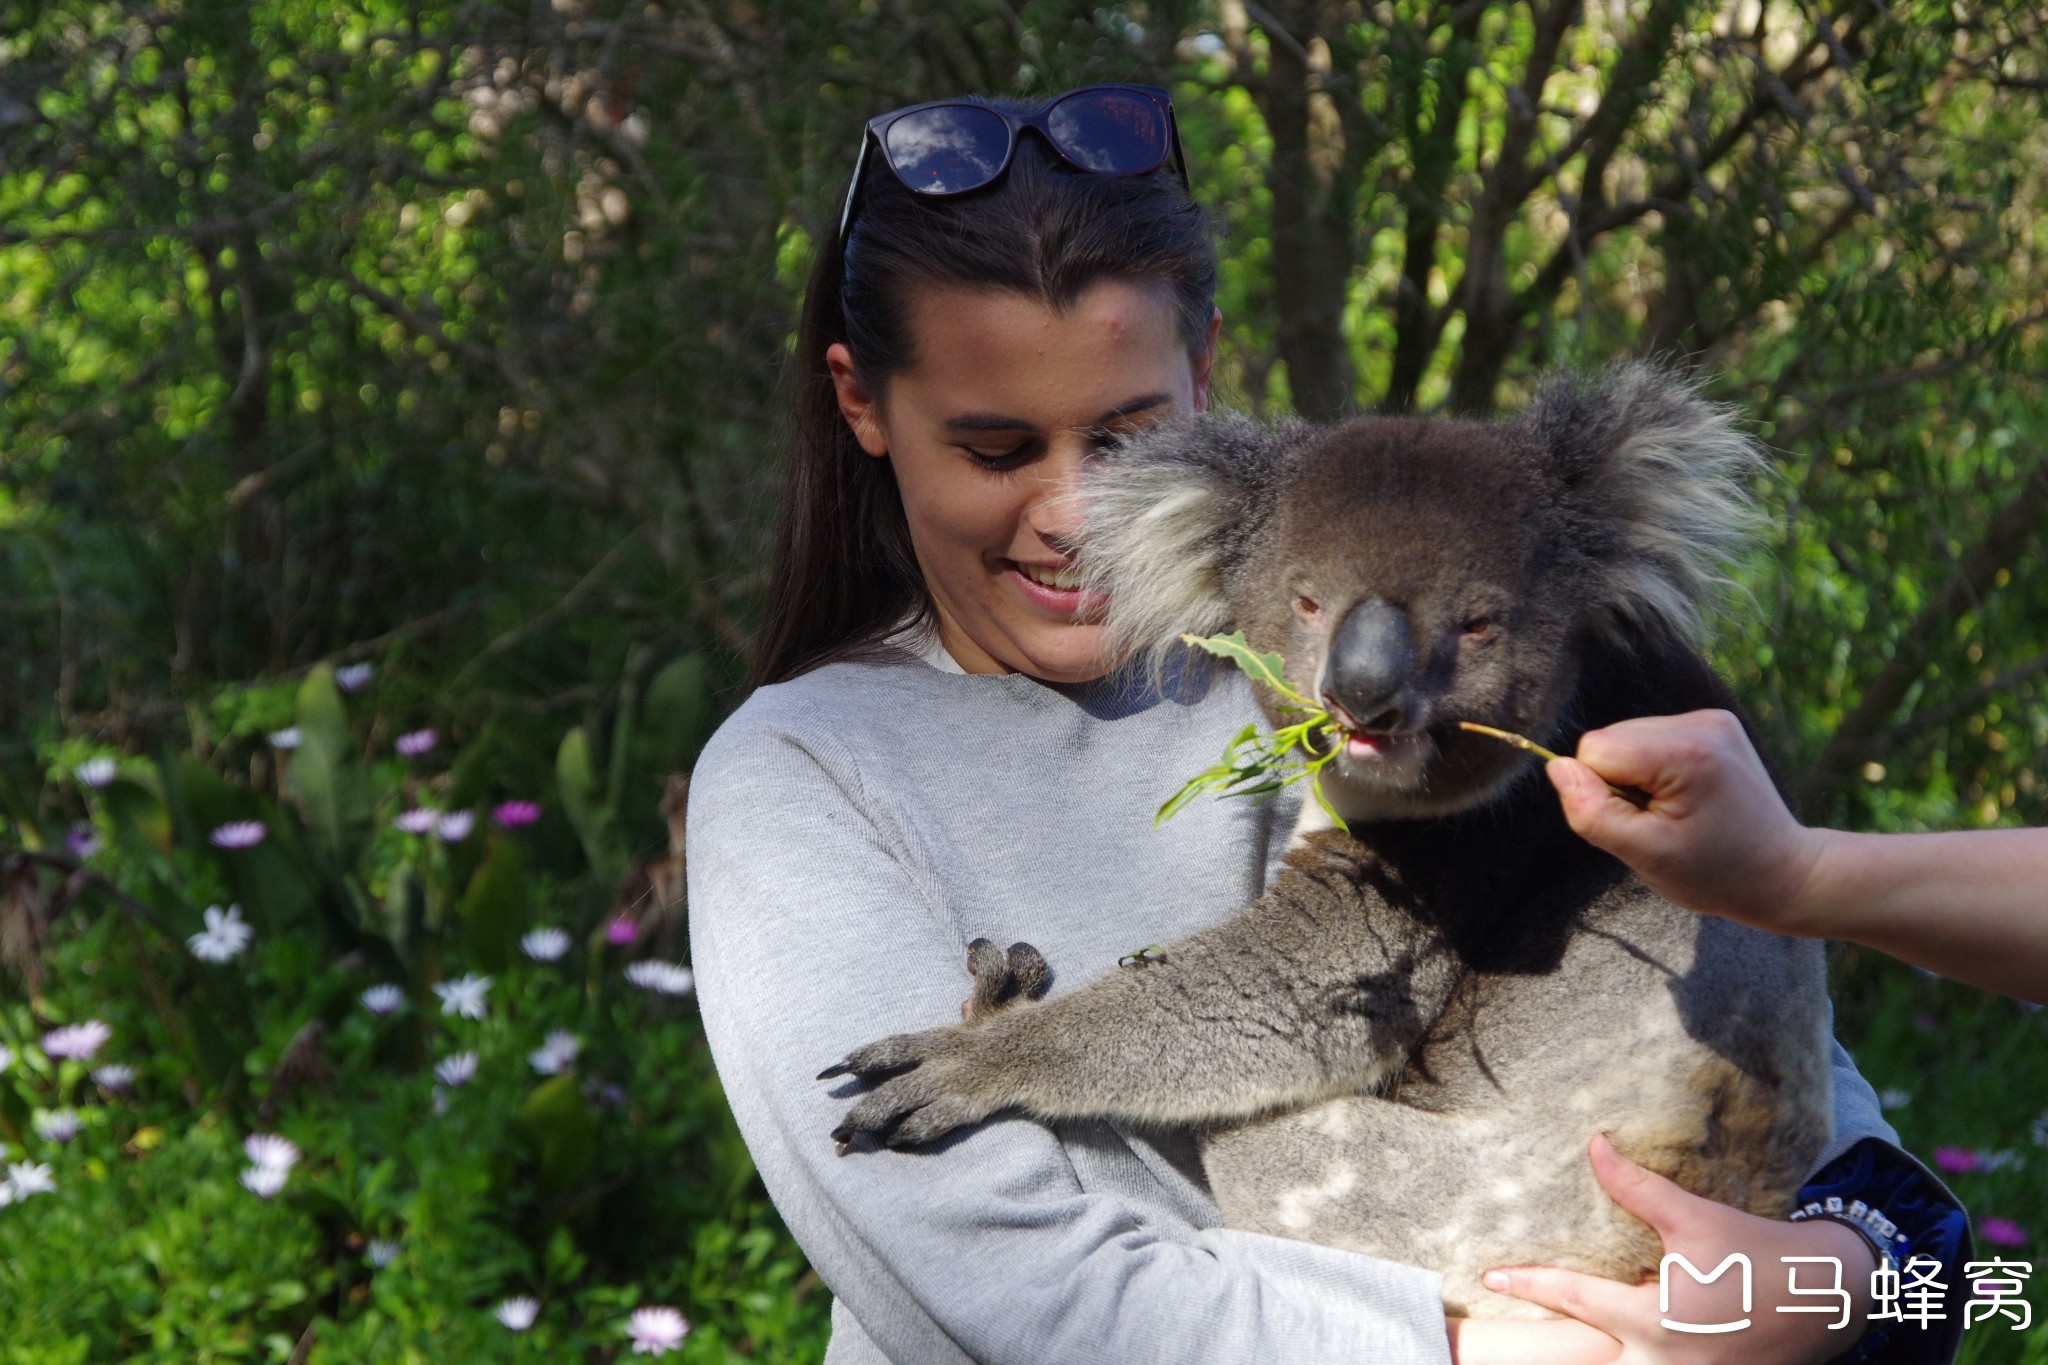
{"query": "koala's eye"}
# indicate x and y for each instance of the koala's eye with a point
(1307, 606)
(1478, 628)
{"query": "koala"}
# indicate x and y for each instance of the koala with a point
(1404, 1046)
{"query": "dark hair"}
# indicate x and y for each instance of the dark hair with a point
(844, 572)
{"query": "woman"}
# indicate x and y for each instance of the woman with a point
(939, 754)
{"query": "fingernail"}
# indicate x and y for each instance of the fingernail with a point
(1496, 1280)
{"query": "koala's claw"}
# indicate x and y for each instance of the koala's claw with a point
(908, 1111)
(899, 1053)
(925, 1086)
(1002, 978)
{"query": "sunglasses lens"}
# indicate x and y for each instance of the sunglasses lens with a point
(947, 150)
(1111, 132)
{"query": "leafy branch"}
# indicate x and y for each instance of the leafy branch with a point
(1257, 763)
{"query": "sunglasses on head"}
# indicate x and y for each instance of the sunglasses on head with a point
(949, 147)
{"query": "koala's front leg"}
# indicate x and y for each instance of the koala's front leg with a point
(1316, 989)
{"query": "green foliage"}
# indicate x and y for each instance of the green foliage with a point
(451, 340)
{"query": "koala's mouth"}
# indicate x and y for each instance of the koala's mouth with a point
(1386, 755)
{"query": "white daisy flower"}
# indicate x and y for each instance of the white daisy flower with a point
(663, 978)
(57, 1125)
(76, 1042)
(351, 677)
(455, 826)
(6, 1194)
(6, 1060)
(95, 772)
(238, 834)
(545, 945)
(272, 1151)
(115, 1077)
(287, 738)
(25, 1178)
(265, 1181)
(464, 995)
(517, 1313)
(380, 1252)
(382, 999)
(1894, 1098)
(657, 1331)
(557, 1054)
(418, 820)
(225, 936)
(456, 1070)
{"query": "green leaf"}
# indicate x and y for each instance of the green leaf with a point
(677, 714)
(327, 780)
(564, 1135)
(494, 907)
(595, 822)
(1259, 667)
(1315, 785)
(141, 820)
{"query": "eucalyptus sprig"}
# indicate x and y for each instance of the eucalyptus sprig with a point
(1258, 763)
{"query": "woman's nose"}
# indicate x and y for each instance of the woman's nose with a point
(1056, 513)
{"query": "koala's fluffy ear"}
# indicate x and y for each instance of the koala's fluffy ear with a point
(1657, 483)
(1171, 514)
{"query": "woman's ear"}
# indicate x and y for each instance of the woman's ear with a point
(856, 404)
(1205, 360)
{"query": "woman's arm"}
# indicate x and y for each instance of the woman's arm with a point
(1716, 838)
(809, 938)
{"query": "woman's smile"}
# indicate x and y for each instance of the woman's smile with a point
(1056, 590)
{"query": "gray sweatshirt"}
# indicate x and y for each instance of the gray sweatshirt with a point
(849, 833)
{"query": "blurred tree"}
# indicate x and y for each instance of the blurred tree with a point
(454, 335)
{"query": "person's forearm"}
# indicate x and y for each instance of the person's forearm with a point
(1971, 905)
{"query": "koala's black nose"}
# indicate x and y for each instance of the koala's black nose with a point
(1372, 658)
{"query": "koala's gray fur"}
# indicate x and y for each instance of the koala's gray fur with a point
(1404, 1046)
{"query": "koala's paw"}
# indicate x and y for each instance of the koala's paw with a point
(925, 1087)
(1002, 977)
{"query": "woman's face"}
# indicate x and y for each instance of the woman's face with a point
(988, 429)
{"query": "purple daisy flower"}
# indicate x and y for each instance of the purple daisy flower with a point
(82, 840)
(1958, 1160)
(621, 930)
(238, 834)
(514, 814)
(415, 742)
(76, 1042)
(2002, 1232)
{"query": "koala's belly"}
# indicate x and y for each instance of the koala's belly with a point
(1702, 1053)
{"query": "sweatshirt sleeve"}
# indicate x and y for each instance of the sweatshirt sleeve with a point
(810, 936)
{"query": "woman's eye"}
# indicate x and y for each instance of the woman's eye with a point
(1102, 439)
(998, 459)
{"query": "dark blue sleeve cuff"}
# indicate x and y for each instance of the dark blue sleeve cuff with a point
(1900, 1202)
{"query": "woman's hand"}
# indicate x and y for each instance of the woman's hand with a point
(1629, 1318)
